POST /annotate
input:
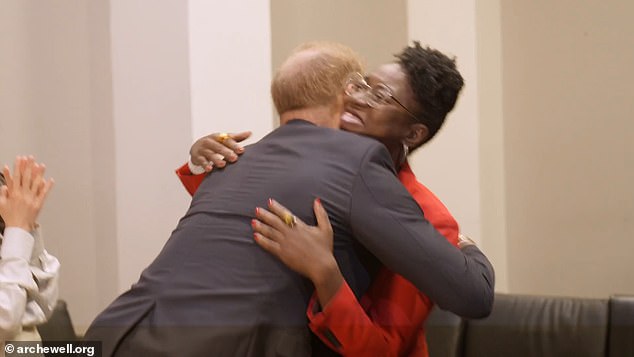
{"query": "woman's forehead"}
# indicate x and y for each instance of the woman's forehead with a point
(390, 74)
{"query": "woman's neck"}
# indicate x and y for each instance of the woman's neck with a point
(398, 154)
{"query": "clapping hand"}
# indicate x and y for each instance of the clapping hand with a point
(24, 194)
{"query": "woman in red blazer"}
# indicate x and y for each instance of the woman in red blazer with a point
(402, 104)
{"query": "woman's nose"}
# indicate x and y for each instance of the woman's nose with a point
(357, 99)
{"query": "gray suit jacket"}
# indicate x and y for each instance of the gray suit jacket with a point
(213, 292)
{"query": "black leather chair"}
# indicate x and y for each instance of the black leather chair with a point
(444, 332)
(538, 326)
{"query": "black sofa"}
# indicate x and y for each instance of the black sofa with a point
(537, 326)
(519, 326)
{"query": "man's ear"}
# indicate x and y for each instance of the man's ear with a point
(338, 104)
(416, 136)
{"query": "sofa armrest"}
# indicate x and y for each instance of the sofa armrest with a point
(59, 326)
(621, 337)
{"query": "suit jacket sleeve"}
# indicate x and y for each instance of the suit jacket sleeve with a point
(189, 180)
(390, 319)
(388, 222)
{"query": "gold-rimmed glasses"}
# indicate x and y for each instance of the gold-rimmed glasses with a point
(379, 94)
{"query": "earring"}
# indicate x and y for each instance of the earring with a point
(405, 150)
(405, 153)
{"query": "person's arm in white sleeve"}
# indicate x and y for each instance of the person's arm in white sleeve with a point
(45, 269)
(16, 280)
(28, 275)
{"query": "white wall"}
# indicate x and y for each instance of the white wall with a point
(230, 67)
(151, 111)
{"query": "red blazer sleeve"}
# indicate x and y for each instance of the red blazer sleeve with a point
(384, 324)
(189, 180)
(388, 321)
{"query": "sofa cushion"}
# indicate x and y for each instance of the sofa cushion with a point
(540, 326)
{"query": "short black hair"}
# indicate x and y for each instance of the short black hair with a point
(435, 81)
(2, 183)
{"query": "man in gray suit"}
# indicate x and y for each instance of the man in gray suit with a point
(212, 291)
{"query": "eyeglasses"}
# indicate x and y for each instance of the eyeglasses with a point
(379, 94)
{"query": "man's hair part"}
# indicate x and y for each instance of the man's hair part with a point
(313, 75)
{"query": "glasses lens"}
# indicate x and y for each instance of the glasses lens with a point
(381, 94)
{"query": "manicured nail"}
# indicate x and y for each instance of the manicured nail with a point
(257, 211)
(255, 237)
(270, 202)
(253, 223)
(318, 201)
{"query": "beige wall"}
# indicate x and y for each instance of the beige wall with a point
(89, 99)
(450, 163)
(569, 145)
(46, 110)
(375, 29)
(491, 141)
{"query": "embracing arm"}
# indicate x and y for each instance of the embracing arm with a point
(387, 221)
(385, 325)
(388, 321)
(393, 318)
(305, 249)
(210, 151)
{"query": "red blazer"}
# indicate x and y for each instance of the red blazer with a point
(388, 321)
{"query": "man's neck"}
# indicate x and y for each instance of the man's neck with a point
(323, 116)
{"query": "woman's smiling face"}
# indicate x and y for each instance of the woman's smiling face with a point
(387, 122)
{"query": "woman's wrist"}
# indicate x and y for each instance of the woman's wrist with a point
(327, 281)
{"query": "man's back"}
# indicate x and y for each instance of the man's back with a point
(212, 291)
(213, 281)
(214, 243)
